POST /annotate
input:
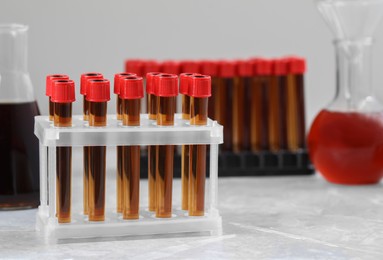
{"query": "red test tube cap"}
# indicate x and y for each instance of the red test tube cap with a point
(135, 66)
(209, 67)
(49, 82)
(296, 65)
(98, 90)
(226, 69)
(116, 83)
(63, 91)
(185, 82)
(171, 67)
(279, 67)
(190, 66)
(150, 82)
(167, 85)
(200, 86)
(245, 68)
(84, 79)
(262, 67)
(132, 87)
(150, 66)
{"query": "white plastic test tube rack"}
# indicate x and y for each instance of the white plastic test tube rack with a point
(114, 134)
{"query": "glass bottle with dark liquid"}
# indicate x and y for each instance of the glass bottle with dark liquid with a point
(345, 140)
(19, 148)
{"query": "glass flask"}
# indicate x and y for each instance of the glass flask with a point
(346, 138)
(19, 153)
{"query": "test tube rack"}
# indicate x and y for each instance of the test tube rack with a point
(114, 134)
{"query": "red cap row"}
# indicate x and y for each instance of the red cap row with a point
(223, 68)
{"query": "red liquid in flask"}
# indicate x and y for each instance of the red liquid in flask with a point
(19, 156)
(347, 147)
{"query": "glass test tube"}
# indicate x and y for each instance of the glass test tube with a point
(63, 95)
(296, 128)
(166, 105)
(131, 94)
(116, 91)
(98, 93)
(241, 105)
(259, 123)
(199, 90)
(224, 102)
(184, 90)
(277, 107)
(48, 91)
(83, 90)
(152, 113)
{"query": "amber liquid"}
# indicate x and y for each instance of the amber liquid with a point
(165, 159)
(277, 118)
(131, 162)
(97, 165)
(197, 160)
(259, 122)
(19, 156)
(86, 161)
(241, 114)
(223, 110)
(152, 110)
(346, 147)
(185, 156)
(214, 90)
(63, 118)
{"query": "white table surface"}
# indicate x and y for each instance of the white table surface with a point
(263, 218)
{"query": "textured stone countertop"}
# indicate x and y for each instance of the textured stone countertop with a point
(263, 218)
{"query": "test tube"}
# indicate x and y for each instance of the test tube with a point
(98, 93)
(63, 95)
(148, 66)
(166, 96)
(199, 91)
(152, 111)
(296, 128)
(116, 91)
(277, 106)
(184, 91)
(210, 67)
(48, 91)
(259, 115)
(83, 91)
(131, 93)
(241, 106)
(224, 101)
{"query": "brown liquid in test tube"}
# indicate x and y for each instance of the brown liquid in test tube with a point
(83, 90)
(295, 104)
(116, 91)
(277, 107)
(48, 91)
(152, 111)
(224, 102)
(63, 95)
(241, 106)
(184, 90)
(199, 91)
(98, 93)
(259, 121)
(166, 92)
(131, 93)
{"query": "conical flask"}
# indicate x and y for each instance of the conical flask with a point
(345, 140)
(19, 153)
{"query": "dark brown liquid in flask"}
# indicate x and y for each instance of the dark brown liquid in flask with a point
(19, 156)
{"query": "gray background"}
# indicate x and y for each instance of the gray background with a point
(75, 36)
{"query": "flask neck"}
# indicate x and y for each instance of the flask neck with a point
(353, 76)
(15, 82)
